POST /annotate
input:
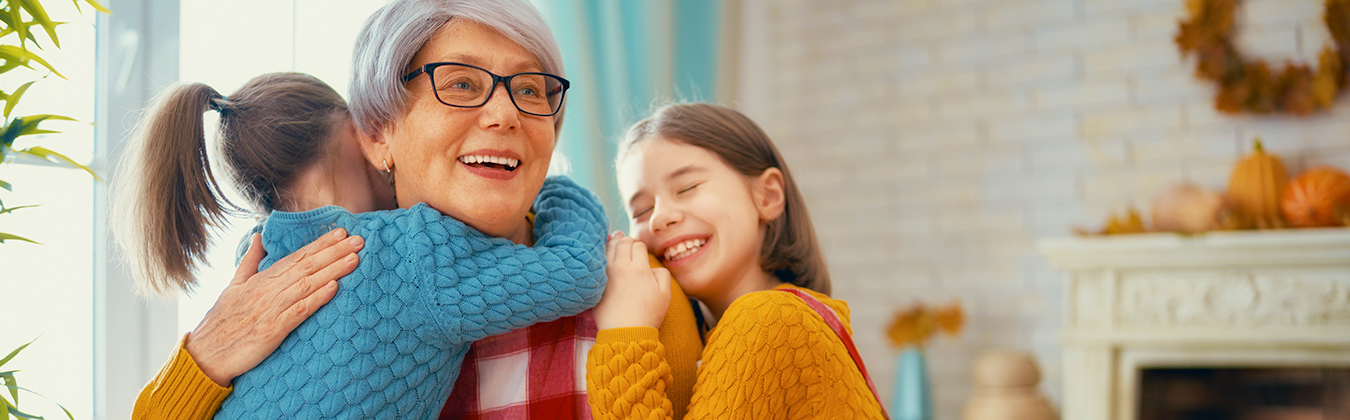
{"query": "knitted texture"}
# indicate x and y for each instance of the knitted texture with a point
(770, 356)
(629, 375)
(390, 343)
(180, 392)
(679, 334)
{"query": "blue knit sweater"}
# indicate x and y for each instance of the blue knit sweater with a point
(390, 343)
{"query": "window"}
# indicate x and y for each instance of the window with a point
(46, 288)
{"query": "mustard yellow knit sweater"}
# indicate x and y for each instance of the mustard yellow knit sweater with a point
(182, 391)
(770, 356)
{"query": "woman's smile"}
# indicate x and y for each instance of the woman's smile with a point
(492, 164)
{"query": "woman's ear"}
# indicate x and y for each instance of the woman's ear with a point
(376, 149)
(768, 194)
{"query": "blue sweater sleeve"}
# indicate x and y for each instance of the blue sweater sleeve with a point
(502, 286)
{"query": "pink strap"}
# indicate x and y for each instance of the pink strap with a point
(832, 320)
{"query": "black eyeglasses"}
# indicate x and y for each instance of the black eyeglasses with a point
(465, 86)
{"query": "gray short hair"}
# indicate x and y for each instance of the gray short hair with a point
(396, 32)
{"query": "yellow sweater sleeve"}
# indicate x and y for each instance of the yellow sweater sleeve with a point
(180, 391)
(679, 334)
(627, 375)
(666, 359)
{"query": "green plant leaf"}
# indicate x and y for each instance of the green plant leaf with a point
(9, 237)
(63, 408)
(11, 209)
(9, 24)
(24, 126)
(13, 99)
(30, 124)
(98, 7)
(16, 352)
(44, 153)
(39, 15)
(16, 413)
(12, 384)
(16, 22)
(27, 26)
(8, 187)
(13, 54)
(10, 133)
(4, 409)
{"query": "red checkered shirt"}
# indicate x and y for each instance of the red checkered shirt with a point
(536, 372)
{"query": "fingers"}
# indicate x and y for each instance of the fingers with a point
(324, 251)
(638, 253)
(663, 280)
(303, 272)
(302, 309)
(624, 248)
(248, 266)
(307, 287)
(611, 245)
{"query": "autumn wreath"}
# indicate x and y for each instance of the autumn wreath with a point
(1250, 85)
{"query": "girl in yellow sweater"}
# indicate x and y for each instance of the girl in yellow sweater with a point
(709, 195)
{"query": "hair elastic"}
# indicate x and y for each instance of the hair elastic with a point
(216, 104)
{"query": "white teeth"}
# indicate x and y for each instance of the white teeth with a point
(684, 249)
(504, 161)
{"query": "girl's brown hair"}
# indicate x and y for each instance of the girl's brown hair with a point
(270, 130)
(790, 250)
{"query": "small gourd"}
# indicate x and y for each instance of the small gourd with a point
(1189, 209)
(1257, 186)
(1319, 197)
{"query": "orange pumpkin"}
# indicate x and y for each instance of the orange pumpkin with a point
(1318, 197)
(1256, 187)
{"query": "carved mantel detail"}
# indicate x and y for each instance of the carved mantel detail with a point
(1234, 298)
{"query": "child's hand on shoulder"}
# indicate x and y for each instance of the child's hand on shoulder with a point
(636, 294)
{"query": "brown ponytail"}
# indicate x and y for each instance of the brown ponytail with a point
(167, 201)
(790, 250)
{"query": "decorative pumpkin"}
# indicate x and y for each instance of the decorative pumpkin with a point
(1186, 208)
(1256, 187)
(1319, 197)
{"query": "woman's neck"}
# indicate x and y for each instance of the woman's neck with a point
(523, 235)
(754, 280)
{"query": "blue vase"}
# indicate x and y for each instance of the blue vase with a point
(911, 398)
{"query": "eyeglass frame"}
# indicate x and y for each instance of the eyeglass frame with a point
(504, 80)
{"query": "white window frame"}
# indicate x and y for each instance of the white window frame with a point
(137, 55)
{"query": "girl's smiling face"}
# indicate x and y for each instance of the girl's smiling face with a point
(700, 217)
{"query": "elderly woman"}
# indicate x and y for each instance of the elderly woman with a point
(478, 157)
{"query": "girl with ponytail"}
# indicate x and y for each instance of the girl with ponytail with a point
(272, 134)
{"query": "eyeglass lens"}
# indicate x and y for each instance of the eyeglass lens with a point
(469, 87)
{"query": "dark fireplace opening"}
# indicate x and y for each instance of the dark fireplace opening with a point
(1245, 394)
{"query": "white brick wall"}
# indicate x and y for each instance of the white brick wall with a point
(937, 140)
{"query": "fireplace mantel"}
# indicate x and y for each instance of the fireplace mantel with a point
(1226, 299)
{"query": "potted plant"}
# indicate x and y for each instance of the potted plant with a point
(11, 402)
(21, 22)
(909, 330)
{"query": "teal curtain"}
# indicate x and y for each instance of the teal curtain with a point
(624, 58)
